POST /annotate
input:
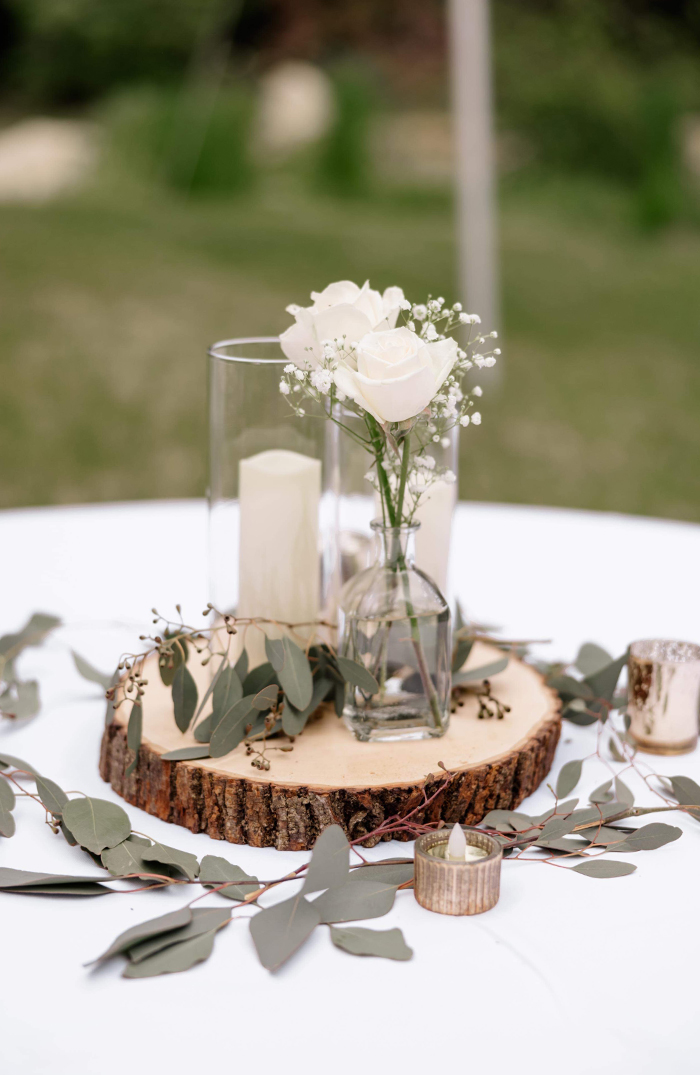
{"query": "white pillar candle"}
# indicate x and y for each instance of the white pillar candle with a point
(279, 495)
(433, 538)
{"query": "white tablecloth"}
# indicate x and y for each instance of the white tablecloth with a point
(565, 974)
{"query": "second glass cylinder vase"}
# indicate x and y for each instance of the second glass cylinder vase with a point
(394, 620)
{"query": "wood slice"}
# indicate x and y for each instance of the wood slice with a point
(331, 778)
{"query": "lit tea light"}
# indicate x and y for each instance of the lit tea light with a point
(457, 874)
(458, 850)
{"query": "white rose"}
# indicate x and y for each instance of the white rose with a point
(397, 373)
(341, 310)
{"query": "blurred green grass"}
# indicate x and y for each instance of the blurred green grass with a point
(110, 299)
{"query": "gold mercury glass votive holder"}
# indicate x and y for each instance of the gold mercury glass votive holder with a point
(451, 886)
(664, 695)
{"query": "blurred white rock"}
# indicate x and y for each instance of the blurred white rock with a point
(690, 143)
(43, 158)
(296, 107)
(416, 147)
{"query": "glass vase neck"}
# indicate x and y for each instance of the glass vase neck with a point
(396, 543)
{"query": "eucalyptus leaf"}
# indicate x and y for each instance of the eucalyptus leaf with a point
(569, 687)
(330, 861)
(279, 931)
(460, 653)
(266, 698)
(126, 857)
(356, 674)
(339, 699)
(230, 731)
(215, 870)
(258, 678)
(96, 823)
(351, 902)
(173, 662)
(184, 691)
(602, 794)
(33, 633)
(172, 856)
(7, 796)
(604, 836)
(274, 650)
(19, 879)
(623, 793)
(564, 844)
(203, 921)
(68, 835)
(507, 820)
(87, 888)
(604, 867)
(241, 665)
(133, 734)
(136, 934)
(598, 814)
(592, 658)
(293, 721)
(389, 943)
(687, 792)
(227, 692)
(558, 810)
(486, 671)
(212, 686)
(7, 823)
(556, 828)
(649, 837)
(615, 751)
(390, 873)
(604, 681)
(295, 675)
(52, 796)
(205, 729)
(24, 704)
(92, 674)
(576, 716)
(568, 778)
(187, 753)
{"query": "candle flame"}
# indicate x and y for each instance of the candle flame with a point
(457, 844)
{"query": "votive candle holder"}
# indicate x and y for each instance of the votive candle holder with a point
(451, 886)
(664, 695)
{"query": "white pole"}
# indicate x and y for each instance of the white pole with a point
(473, 132)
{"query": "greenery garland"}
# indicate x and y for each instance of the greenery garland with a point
(348, 893)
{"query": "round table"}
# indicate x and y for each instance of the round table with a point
(569, 974)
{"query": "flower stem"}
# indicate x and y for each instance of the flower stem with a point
(405, 456)
(384, 487)
(428, 685)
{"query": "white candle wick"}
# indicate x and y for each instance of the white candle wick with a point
(457, 844)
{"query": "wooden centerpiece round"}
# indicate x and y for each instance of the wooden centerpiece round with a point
(329, 778)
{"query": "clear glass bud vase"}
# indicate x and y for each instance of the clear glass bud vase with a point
(394, 620)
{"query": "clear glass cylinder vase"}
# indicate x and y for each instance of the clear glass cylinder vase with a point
(394, 620)
(272, 543)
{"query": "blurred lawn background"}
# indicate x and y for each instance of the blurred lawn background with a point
(186, 223)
